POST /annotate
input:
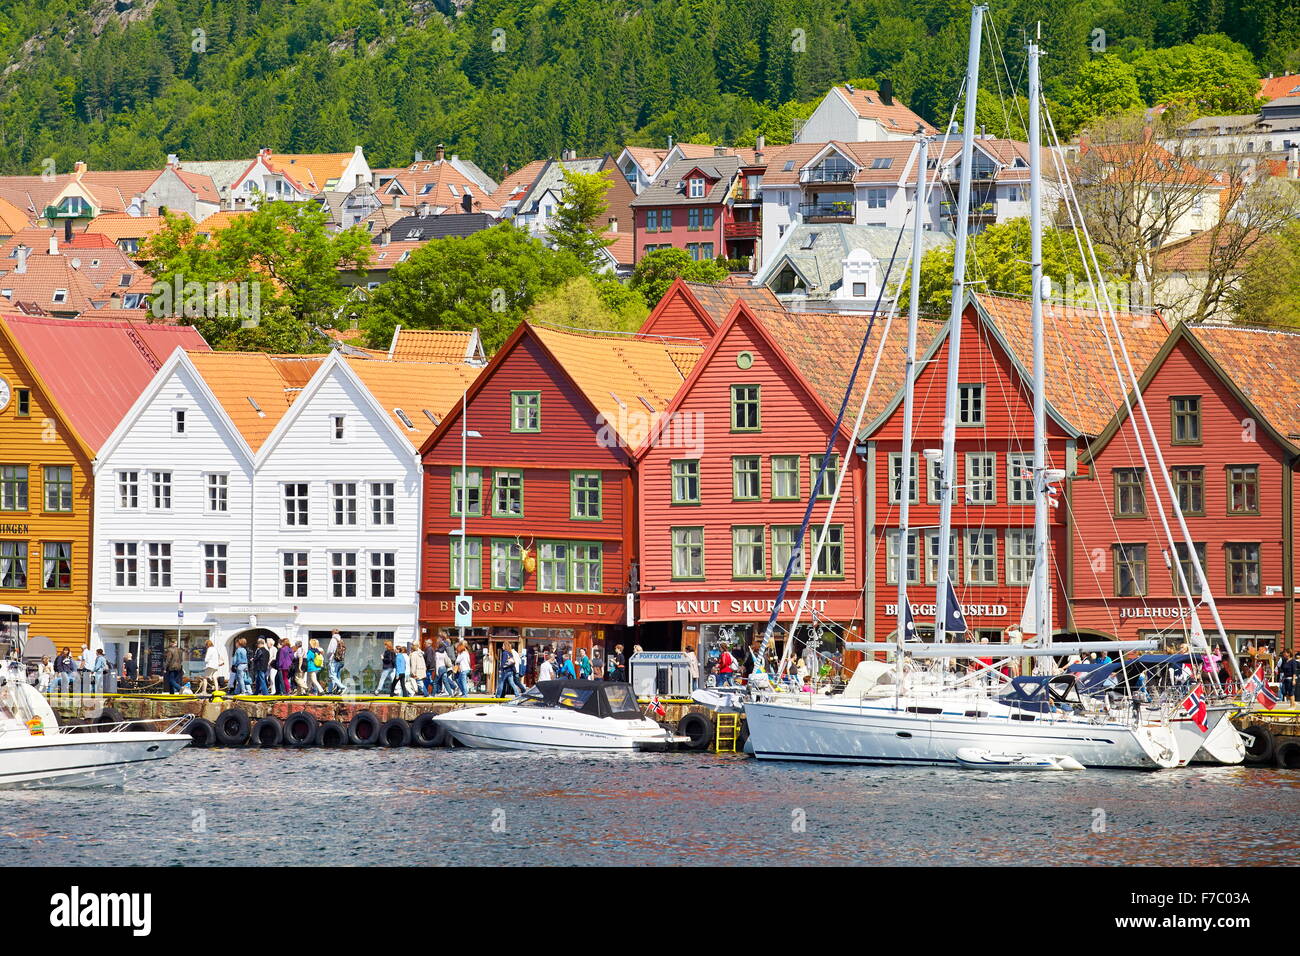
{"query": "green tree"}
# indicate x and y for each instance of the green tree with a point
(582, 206)
(591, 302)
(1205, 74)
(1270, 297)
(999, 257)
(1107, 86)
(487, 281)
(657, 270)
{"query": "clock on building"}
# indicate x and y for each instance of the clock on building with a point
(5, 394)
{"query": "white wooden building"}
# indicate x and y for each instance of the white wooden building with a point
(322, 521)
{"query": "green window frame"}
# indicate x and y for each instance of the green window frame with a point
(473, 480)
(58, 488)
(508, 484)
(23, 408)
(830, 562)
(525, 412)
(1189, 488)
(473, 563)
(784, 537)
(832, 472)
(13, 565)
(1243, 568)
(585, 496)
(785, 478)
(688, 553)
(748, 551)
(686, 481)
(1130, 492)
(13, 488)
(746, 478)
(1184, 558)
(746, 408)
(1130, 573)
(1243, 489)
(56, 565)
(507, 565)
(1185, 419)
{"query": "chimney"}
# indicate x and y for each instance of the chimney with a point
(887, 91)
(1293, 163)
(173, 160)
(567, 155)
(21, 254)
(438, 154)
(760, 144)
(467, 203)
(78, 169)
(719, 151)
(397, 201)
(54, 245)
(67, 231)
(613, 224)
(385, 236)
(849, 87)
(419, 156)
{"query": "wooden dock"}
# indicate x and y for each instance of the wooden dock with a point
(1275, 737)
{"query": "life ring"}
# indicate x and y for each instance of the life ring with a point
(395, 733)
(363, 729)
(427, 732)
(300, 729)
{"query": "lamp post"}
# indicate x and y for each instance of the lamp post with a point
(463, 504)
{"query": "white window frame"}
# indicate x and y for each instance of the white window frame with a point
(976, 555)
(383, 563)
(982, 473)
(1019, 548)
(158, 564)
(160, 481)
(340, 500)
(297, 563)
(210, 486)
(286, 513)
(128, 489)
(383, 505)
(338, 562)
(217, 552)
(126, 564)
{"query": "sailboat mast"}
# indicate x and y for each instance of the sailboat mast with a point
(947, 482)
(913, 311)
(1041, 579)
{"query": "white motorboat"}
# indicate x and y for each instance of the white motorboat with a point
(560, 715)
(972, 759)
(36, 752)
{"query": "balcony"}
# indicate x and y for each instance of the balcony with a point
(826, 212)
(742, 230)
(821, 174)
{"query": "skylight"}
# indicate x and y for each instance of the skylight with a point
(402, 415)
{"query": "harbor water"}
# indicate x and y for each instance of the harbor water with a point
(469, 807)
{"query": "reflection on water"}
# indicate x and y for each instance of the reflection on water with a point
(378, 807)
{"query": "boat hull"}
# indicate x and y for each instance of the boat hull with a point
(1222, 744)
(496, 728)
(81, 760)
(878, 732)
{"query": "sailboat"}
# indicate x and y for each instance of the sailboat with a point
(929, 724)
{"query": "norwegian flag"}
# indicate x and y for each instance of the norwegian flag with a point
(1053, 493)
(1257, 688)
(1194, 705)
(657, 708)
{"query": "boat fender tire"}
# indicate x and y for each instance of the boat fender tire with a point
(1262, 746)
(427, 732)
(300, 729)
(331, 733)
(699, 728)
(363, 729)
(1288, 755)
(395, 733)
(268, 732)
(109, 715)
(233, 727)
(202, 732)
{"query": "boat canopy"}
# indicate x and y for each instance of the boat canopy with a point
(1040, 693)
(595, 697)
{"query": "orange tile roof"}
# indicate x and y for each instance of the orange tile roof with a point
(431, 345)
(384, 257)
(1081, 383)
(423, 391)
(862, 154)
(12, 219)
(648, 158)
(1264, 365)
(520, 179)
(201, 184)
(623, 248)
(719, 299)
(236, 377)
(1275, 87)
(118, 225)
(624, 377)
(896, 117)
(313, 170)
(220, 220)
(432, 181)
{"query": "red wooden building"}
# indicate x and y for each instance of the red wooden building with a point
(720, 513)
(1225, 405)
(691, 205)
(548, 495)
(993, 510)
(696, 310)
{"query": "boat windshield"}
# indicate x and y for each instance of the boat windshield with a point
(530, 698)
(596, 698)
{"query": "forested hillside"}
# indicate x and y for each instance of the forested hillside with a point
(504, 81)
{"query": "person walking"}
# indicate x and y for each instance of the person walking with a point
(98, 671)
(567, 669)
(430, 655)
(239, 668)
(488, 667)
(211, 664)
(387, 668)
(171, 667)
(726, 667)
(284, 666)
(315, 662)
(441, 664)
(299, 668)
(509, 672)
(692, 666)
(463, 668)
(129, 670)
(597, 664)
(337, 655)
(614, 666)
(418, 670)
(546, 669)
(401, 661)
(584, 664)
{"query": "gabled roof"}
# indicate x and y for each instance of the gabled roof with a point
(721, 172)
(96, 370)
(236, 377)
(222, 173)
(436, 345)
(896, 118)
(12, 219)
(1276, 87)
(883, 163)
(118, 225)
(441, 183)
(718, 300)
(315, 171)
(816, 251)
(201, 184)
(520, 181)
(423, 228)
(85, 279)
(1264, 367)
(423, 391)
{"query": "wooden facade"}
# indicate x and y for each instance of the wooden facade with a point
(1235, 472)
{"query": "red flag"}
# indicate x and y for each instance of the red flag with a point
(1194, 705)
(1257, 687)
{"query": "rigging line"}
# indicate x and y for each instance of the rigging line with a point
(997, 76)
(1207, 596)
